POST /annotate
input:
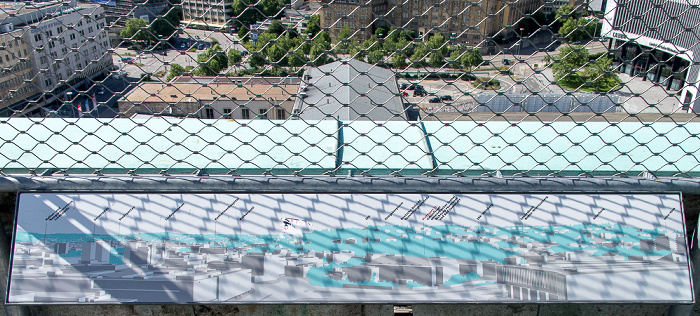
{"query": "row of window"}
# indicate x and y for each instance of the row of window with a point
(12, 55)
(14, 81)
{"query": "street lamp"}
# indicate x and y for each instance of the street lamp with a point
(521, 39)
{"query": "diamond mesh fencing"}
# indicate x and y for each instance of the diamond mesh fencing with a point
(362, 87)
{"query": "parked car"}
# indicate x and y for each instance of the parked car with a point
(183, 46)
(201, 46)
(506, 62)
(446, 97)
(404, 93)
(101, 91)
(419, 93)
(244, 52)
(434, 100)
(127, 60)
(404, 86)
(196, 37)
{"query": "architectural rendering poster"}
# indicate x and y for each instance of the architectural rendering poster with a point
(328, 248)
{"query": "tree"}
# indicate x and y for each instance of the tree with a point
(314, 25)
(137, 30)
(167, 22)
(399, 60)
(175, 71)
(573, 68)
(358, 53)
(580, 29)
(234, 56)
(318, 56)
(256, 59)
(271, 9)
(565, 12)
(471, 58)
(419, 54)
(245, 13)
(276, 28)
(276, 55)
(295, 59)
(344, 40)
(375, 56)
(211, 62)
(323, 40)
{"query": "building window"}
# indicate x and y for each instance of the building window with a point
(245, 114)
(281, 114)
(227, 113)
(262, 114)
(37, 37)
(209, 113)
(52, 44)
(72, 36)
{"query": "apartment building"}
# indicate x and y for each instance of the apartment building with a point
(207, 14)
(117, 12)
(15, 69)
(66, 47)
(355, 14)
(464, 21)
(243, 98)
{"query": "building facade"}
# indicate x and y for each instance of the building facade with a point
(16, 76)
(207, 14)
(654, 40)
(228, 98)
(66, 46)
(119, 11)
(460, 20)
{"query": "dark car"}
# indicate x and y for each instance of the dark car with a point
(419, 93)
(434, 100)
(244, 52)
(404, 86)
(506, 62)
(201, 46)
(446, 98)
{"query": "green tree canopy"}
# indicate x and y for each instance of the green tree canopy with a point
(256, 59)
(175, 71)
(137, 30)
(167, 22)
(471, 58)
(234, 56)
(399, 60)
(580, 29)
(211, 62)
(276, 28)
(314, 25)
(575, 68)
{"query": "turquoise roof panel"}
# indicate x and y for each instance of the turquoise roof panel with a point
(565, 148)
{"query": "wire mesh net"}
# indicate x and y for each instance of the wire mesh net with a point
(387, 87)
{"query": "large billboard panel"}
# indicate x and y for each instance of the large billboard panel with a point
(348, 248)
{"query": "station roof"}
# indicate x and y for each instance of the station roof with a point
(180, 146)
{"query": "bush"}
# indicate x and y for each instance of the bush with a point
(485, 83)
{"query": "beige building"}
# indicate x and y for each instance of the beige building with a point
(16, 76)
(237, 99)
(207, 14)
(355, 14)
(464, 21)
(56, 45)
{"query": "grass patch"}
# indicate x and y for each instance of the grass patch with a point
(161, 73)
(578, 83)
(486, 83)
